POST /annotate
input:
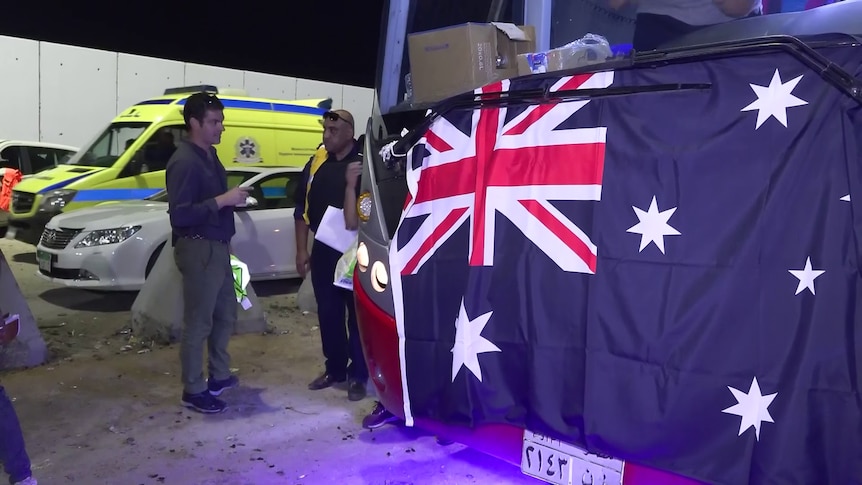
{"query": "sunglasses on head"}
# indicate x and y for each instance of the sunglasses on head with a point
(333, 116)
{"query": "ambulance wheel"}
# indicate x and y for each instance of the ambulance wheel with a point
(153, 258)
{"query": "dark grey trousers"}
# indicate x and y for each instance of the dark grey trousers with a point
(13, 454)
(209, 310)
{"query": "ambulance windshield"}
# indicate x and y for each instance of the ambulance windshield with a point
(105, 149)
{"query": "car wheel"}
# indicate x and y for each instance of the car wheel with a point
(152, 261)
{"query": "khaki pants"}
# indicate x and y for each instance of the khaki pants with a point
(209, 310)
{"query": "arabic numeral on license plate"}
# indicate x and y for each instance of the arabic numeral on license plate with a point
(545, 463)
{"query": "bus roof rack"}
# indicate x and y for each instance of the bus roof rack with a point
(192, 89)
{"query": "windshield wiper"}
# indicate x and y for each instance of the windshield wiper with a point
(831, 72)
(397, 150)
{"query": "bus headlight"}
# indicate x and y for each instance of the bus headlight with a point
(362, 257)
(379, 277)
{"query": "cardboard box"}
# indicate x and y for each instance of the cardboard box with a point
(454, 60)
(569, 56)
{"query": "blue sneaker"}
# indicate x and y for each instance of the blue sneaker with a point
(378, 417)
(216, 387)
(203, 402)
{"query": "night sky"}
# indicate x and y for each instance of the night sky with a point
(335, 41)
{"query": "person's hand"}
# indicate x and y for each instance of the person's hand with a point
(354, 170)
(235, 196)
(302, 263)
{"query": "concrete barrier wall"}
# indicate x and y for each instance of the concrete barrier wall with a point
(67, 94)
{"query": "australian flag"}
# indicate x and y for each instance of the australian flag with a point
(669, 278)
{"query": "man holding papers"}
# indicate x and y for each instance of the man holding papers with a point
(319, 209)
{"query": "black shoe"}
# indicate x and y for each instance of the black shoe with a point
(356, 390)
(203, 402)
(378, 417)
(216, 387)
(324, 381)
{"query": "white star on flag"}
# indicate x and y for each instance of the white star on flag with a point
(773, 100)
(752, 408)
(846, 198)
(469, 343)
(653, 226)
(806, 277)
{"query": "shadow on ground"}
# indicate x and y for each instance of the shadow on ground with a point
(119, 301)
(458, 466)
(90, 301)
(276, 287)
(28, 258)
(242, 403)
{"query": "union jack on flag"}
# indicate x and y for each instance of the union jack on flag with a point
(480, 162)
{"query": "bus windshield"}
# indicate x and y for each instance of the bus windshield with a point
(571, 21)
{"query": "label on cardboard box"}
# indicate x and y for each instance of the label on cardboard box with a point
(536, 62)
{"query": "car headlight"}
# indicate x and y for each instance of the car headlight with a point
(55, 200)
(107, 236)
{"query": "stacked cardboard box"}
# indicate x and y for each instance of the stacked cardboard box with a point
(454, 60)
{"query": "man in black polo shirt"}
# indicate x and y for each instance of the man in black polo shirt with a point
(323, 184)
(202, 221)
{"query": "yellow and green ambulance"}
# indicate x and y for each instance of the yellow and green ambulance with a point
(127, 159)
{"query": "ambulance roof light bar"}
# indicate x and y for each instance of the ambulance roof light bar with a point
(192, 89)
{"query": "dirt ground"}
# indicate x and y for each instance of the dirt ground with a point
(100, 412)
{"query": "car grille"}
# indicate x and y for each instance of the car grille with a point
(58, 238)
(22, 202)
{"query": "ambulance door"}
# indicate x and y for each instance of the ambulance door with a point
(247, 144)
(297, 145)
(144, 172)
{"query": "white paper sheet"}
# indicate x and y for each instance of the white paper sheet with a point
(332, 231)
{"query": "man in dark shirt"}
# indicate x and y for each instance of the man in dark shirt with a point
(323, 185)
(202, 222)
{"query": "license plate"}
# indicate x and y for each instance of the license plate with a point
(561, 463)
(44, 261)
